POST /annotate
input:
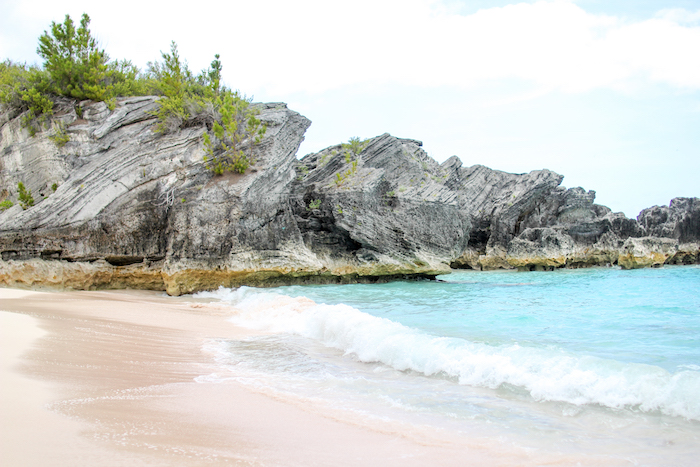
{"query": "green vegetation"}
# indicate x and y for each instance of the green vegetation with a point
(326, 157)
(239, 128)
(60, 137)
(354, 147)
(26, 89)
(313, 205)
(54, 187)
(182, 94)
(341, 177)
(25, 196)
(76, 67)
(303, 171)
(351, 150)
(190, 100)
(6, 204)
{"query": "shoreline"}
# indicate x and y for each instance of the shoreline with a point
(109, 377)
(32, 434)
(65, 276)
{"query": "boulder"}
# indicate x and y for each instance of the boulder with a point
(646, 251)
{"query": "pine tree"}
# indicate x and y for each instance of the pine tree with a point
(78, 68)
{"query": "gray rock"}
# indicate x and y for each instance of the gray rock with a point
(129, 198)
(499, 205)
(646, 251)
(138, 209)
(528, 221)
(679, 220)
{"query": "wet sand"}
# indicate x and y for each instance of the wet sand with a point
(108, 378)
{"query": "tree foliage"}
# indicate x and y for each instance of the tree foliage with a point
(13, 81)
(231, 147)
(76, 67)
(125, 79)
(234, 128)
(353, 147)
(174, 81)
(187, 100)
(6, 204)
(26, 89)
(25, 196)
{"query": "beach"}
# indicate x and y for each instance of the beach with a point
(114, 378)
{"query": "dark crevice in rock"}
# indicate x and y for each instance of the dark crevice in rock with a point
(123, 260)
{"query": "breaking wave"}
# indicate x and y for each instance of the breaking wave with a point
(547, 374)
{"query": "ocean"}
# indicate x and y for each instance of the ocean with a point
(602, 363)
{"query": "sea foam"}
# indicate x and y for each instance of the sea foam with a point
(547, 374)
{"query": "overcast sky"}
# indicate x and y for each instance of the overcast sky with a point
(604, 92)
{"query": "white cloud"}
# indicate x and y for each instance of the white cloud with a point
(316, 45)
(519, 87)
(556, 45)
(662, 48)
(679, 15)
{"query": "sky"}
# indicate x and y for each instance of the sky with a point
(604, 92)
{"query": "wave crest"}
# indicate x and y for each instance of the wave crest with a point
(546, 374)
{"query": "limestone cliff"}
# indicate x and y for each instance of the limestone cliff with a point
(136, 209)
(133, 208)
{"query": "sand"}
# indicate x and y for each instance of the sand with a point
(109, 378)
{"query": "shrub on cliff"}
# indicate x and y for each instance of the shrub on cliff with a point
(77, 66)
(14, 79)
(188, 100)
(126, 79)
(74, 66)
(79, 69)
(237, 127)
(354, 147)
(6, 204)
(26, 89)
(183, 94)
(25, 196)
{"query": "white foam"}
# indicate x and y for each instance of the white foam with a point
(547, 374)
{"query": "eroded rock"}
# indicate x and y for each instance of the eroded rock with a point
(133, 208)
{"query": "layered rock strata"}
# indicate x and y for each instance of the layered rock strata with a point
(136, 209)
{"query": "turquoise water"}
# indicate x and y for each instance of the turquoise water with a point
(647, 316)
(595, 360)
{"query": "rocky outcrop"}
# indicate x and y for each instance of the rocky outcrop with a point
(680, 220)
(646, 251)
(496, 202)
(141, 207)
(529, 222)
(133, 208)
(574, 232)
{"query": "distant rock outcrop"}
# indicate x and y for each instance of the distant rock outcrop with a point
(136, 209)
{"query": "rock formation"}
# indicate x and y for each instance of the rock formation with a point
(136, 209)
